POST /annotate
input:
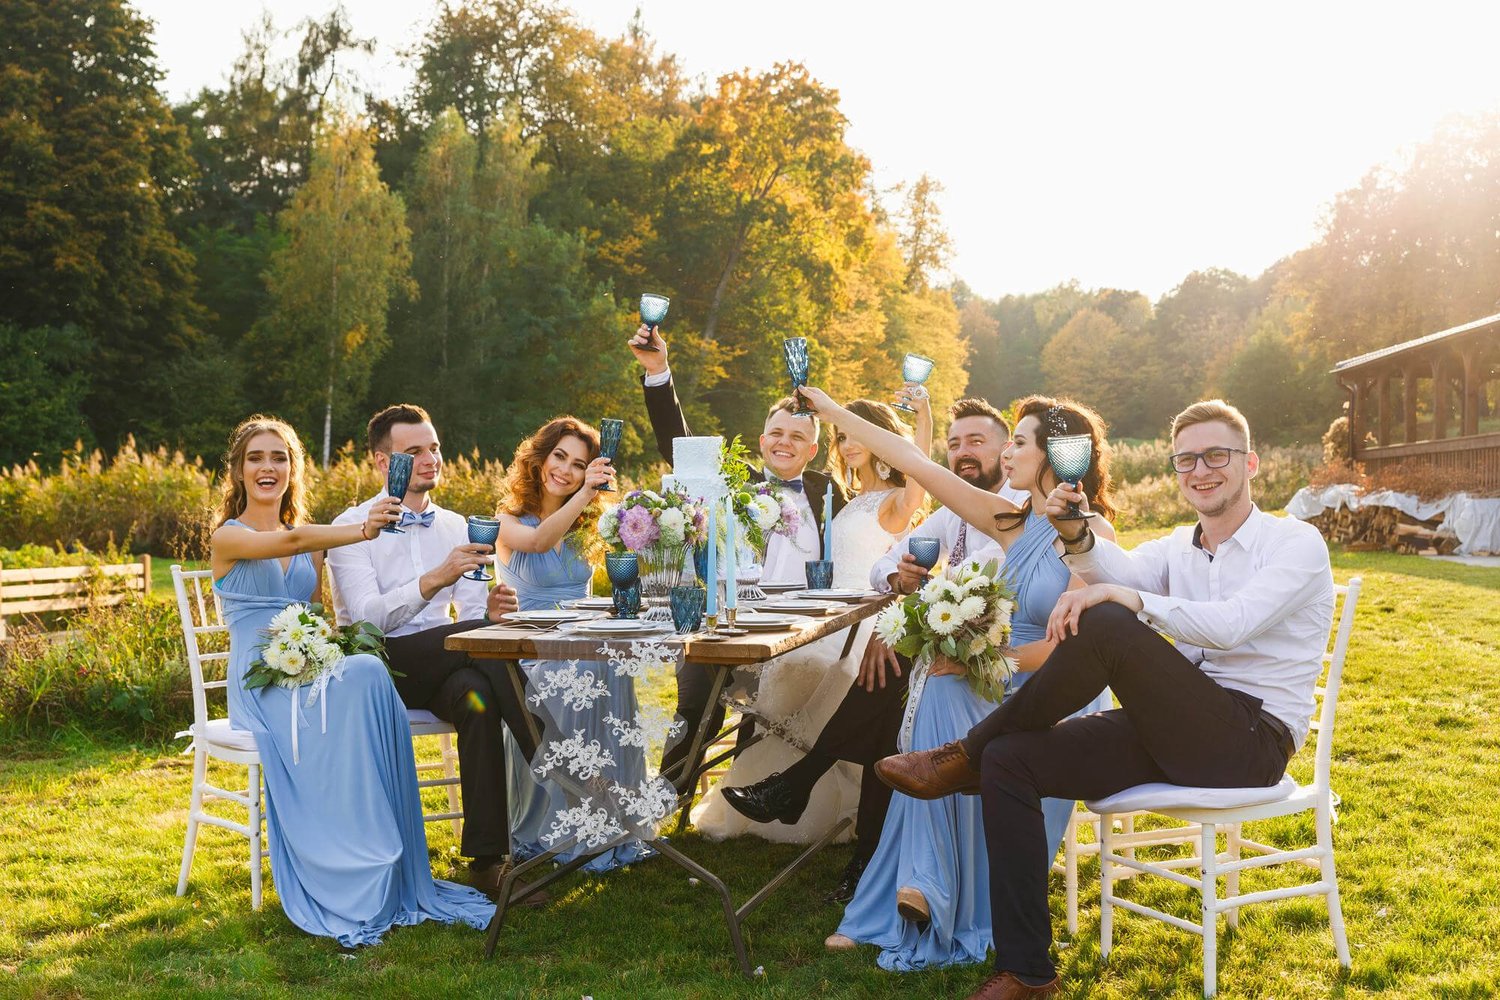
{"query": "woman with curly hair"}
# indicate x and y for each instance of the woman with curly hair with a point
(548, 514)
(343, 816)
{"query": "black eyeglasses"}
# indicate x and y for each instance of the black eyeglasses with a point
(1213, 458)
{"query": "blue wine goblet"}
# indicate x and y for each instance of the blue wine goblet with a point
(624, 572)
(687, 608)
(915, 369)
(795, 351)
(1071, 455)
(819, 574)
(483, 530)
(609, 444)
(925, 551)
(397, 478)
(653, 311)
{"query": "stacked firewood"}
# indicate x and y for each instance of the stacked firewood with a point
(1374, 529)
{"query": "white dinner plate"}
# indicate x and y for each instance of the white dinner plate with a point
(778, 588)
(796, 606)
(618, 626)
(593, 603)
(836, 594)
(548, 616)
(758, 622)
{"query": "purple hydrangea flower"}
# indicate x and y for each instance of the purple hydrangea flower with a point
(638, 529)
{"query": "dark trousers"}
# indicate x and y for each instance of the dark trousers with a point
(862, 730)
(1175, 724)
(474, 696)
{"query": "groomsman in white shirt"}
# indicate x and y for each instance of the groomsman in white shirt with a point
(410, 585)
(1248, 600)
(865, 725)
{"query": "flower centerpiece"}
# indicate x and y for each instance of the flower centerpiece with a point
(661, 528)
(962, 613)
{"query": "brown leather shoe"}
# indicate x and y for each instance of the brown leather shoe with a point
(1004, 986)
(930, 774)
(489, 879)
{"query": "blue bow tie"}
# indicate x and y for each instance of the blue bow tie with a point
(795, 485)
(422, 520)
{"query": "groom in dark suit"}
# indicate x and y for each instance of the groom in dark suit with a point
(787, 445)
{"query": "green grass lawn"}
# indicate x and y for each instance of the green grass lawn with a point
(90, 835)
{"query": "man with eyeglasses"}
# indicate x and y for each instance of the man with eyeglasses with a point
(1248, 599)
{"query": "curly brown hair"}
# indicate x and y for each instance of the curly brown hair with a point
(1074, 418)
(882, 415)
(521, 493)
(232, 496)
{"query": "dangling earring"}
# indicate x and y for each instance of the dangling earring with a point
(882, 470)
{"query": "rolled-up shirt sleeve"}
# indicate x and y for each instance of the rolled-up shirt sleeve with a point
(357, 593)
(1294, 574)
(1143, 568)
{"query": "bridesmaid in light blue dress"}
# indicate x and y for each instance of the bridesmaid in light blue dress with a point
(924, 898)
(550, 505)
(937, 847)
(343, 818)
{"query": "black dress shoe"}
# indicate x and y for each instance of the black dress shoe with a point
(848, 881)
(768, 799)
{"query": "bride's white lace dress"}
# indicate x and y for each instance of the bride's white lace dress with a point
(798, 693)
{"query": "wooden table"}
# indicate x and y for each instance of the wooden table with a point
(512, 644)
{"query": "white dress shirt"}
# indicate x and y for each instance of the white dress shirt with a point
(380, 581)
(943, 525)
(786, 558)
(1254, 615)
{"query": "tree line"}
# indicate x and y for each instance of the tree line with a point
(477, 243)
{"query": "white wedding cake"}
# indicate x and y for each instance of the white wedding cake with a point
(697, 468)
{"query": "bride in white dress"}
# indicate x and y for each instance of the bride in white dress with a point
(799, 692)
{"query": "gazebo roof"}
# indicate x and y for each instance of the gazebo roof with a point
(1410, 345)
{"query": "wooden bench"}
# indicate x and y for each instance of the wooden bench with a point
(66, 588)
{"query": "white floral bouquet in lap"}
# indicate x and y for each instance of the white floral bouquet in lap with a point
(962, 613)
(302, 645)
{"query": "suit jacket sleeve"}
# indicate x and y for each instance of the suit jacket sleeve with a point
(665, 412)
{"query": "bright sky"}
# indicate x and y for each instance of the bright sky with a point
(1124, 145)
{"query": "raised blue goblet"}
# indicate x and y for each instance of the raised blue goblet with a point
(915, 370)
(925, 551)
(397, 478)
(795, 351)
(1071, 455)
(653, 311)
(483, 530)
(609, 444)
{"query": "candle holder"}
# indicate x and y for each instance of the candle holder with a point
(728, 627)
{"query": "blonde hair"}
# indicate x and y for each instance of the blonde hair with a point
(232, 495)
(1208, 410)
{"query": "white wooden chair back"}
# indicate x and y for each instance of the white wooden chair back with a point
(202, 616)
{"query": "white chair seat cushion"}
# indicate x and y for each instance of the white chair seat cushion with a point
(424, 723)
(1158, 796)
(220, 733)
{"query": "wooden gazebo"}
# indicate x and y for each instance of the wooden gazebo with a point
(1430, 402)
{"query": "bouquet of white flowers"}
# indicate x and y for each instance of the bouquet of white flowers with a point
(302, 645)
(962, 613)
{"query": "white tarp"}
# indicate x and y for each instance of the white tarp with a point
(1474, 520)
